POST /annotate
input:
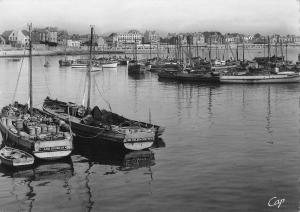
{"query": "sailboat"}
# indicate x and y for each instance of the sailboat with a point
(46, 64)
(97, 125)
(268, 73)
(65, 62)
(33, 130)
(134, 67)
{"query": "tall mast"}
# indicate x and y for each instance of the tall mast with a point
(268, 48)
(89, 70)
(281, 50)
(125, 48)
(237, 50)
(286, 46)
(150, 49)
(243, 50)
(30, 69)
(209, 53)
(157, 50)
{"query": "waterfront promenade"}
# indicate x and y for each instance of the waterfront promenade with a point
(8, 51)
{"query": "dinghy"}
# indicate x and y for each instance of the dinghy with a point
(15, 158)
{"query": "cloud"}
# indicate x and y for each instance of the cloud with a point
(163, 15)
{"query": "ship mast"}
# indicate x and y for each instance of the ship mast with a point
(30, 70)
(89, 70)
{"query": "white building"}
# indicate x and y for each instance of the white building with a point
(73, 43)
(133, 36)
(19, 38)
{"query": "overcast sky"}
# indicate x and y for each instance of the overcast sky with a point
(264, 16)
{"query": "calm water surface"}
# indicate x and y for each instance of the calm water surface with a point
(226, 147)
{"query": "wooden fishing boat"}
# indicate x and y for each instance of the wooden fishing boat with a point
(123, 62)
(136, 68)
(190, 76)
(65, 62)
(101, 125)
(105, 125)
(12, 157)
(33, 130)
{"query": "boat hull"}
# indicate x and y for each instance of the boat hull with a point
(110, 65)
(136, 69)
(128, 138)
(37, 148)
(79, 66)
(260, 79)
(16, 162)
(52, 155)
(64, 63)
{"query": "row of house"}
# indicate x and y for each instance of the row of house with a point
(204, 38)
(52, 36)
(20, 38)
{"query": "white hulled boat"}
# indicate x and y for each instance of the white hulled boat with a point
(33, 130)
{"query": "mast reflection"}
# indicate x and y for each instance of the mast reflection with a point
(59, 170)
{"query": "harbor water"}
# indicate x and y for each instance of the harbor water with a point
(225, 148)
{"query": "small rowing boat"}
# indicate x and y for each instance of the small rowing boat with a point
(15, 158)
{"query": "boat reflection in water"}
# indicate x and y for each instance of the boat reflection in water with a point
(26, 184)
(123, 160)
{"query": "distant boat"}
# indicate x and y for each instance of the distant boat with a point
(123, 62)
(79, 65)
(136, 68)
(65, 62)
(261, 78)
(14, 59)
(110, 65)
(105, 63)
(95, 69)
(12, 157)
(190, 76)
(47, 64)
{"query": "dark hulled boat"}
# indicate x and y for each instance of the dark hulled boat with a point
(101, 125)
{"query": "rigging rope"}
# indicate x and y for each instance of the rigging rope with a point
(79, 87)
(102, 96)
(19, 74)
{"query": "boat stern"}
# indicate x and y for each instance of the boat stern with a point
(139, 139)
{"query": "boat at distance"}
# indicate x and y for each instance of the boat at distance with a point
(264, 78)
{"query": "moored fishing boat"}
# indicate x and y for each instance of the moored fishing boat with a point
(12, 157)
(33, 130)
(189, 75)
(110, 65)
(261, 78)
(101, 125)
(136, 68)
(65, 62)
